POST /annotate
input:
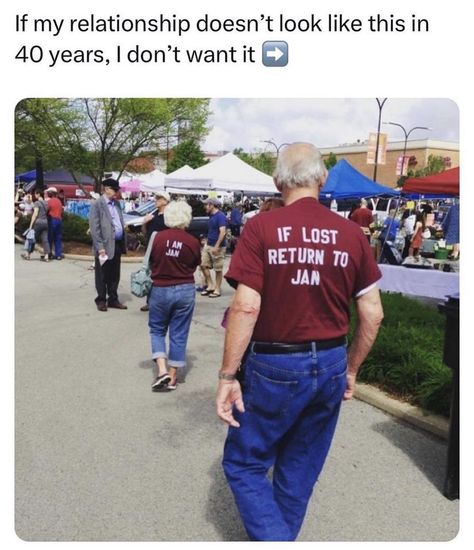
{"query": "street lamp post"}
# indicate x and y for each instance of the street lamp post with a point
(380, 103)
(277, 147)
(406, 138)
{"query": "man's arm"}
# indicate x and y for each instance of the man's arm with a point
(243, 315)
(222, 232)
(369, 317)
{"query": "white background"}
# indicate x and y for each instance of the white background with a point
(362, 65)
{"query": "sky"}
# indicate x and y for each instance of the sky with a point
(324, 122)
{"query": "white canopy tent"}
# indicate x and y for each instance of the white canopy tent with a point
(227, 173)
(152, 181)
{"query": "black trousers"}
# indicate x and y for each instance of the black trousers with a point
(107, 278)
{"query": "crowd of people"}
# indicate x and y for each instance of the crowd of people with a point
(406, 227)
(286, 367)
(44, 210)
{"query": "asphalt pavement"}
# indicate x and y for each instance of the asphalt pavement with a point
(100, 457)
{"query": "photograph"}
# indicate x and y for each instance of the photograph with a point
(248, 327)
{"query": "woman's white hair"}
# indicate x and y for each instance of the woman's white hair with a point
(178, 214)
(299, 165)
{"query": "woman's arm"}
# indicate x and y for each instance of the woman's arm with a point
(34, 216)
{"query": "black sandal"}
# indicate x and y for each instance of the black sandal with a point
(161, 382)
(207, 292)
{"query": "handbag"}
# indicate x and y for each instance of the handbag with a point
(140, 281)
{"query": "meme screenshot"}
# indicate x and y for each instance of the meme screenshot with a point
(233, 275)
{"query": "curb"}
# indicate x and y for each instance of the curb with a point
(437, 425)
(124, 259)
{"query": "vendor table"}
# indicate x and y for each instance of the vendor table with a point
(429, 283)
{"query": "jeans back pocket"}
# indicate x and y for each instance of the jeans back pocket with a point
(270, 397)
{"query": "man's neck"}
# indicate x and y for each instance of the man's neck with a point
(295, 194)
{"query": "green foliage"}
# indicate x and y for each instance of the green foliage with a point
(187, 152)
(434, 165)
(407, 356)
(265, 162)
(75, 229)
(95, 136)
(330, 161)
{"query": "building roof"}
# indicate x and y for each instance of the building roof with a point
(393, 146)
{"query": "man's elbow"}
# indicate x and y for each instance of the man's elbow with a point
(245, 308)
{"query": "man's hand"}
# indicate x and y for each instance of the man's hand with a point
(349, 393)
(102, 252)
(214, 251)
(229, 394)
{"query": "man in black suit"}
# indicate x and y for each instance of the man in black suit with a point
(109, 243)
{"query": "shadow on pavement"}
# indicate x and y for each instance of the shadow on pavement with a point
(428, 459)
(221, 509)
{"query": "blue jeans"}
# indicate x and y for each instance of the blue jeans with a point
(292, 404)
(171, 309)
(56, 226)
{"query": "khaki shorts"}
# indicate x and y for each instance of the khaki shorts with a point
(213, 262)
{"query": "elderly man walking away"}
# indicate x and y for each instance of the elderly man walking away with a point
(296, 270)
(213, 253)
(109, 243)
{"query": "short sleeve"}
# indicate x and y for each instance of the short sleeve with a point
(368, 272)
(247, 265)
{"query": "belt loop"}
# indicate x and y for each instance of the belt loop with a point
(313, 349)
(251, 347)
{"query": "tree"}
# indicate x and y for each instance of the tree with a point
(434, 165)
(187, 152)
(95, 136)
(330, 161)
(265, 162)
(39, 123)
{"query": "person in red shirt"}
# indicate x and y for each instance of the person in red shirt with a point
(175, 255)
(363, 217)
(55, 215)
(296, 270)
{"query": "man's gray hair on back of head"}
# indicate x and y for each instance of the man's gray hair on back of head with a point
(299, 165)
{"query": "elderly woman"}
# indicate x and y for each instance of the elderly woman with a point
(175, 256)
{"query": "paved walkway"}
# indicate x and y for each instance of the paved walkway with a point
(101, 457)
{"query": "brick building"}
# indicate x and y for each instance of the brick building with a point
(420, 149)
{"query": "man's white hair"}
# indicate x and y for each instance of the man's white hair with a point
(299, 165)
(178, 214)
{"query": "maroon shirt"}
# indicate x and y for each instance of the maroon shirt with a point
(362, 217)
(307, 263)
(174, 258)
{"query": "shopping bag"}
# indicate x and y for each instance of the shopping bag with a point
(140, 281)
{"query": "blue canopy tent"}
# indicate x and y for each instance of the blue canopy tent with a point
(345, 182)
(26, 177)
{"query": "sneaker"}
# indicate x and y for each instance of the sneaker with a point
(161, 382)
(172, 385)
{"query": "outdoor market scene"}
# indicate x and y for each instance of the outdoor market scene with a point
(242, 317)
